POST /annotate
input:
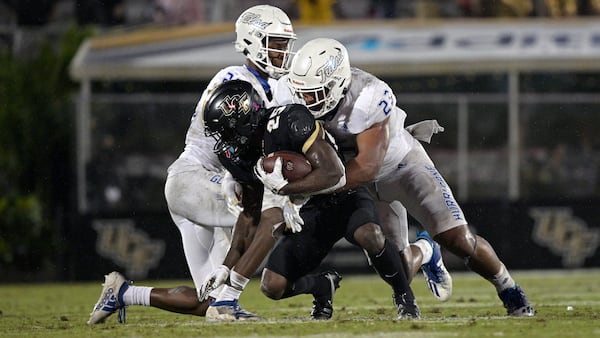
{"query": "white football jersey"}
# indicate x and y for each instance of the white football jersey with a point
(199, 147)
(367, 102)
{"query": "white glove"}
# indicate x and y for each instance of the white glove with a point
(291, 215)
(424, 130)
(232, 192)
(273, 181)
(215, 279)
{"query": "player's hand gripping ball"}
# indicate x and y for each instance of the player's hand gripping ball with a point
(294, 165)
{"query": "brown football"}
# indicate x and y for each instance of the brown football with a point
(295, 166)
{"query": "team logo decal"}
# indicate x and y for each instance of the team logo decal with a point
(565, 235)
(235, 103)
(254, 19)
(120, 241)
(330, 66)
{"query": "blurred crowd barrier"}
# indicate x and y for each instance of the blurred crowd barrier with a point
(135, 12)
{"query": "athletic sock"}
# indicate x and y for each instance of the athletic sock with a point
(137, 295)
(503, 280)
(229, 293)
(234, 290)
(389, 266)
(426, 250)
(309, 284)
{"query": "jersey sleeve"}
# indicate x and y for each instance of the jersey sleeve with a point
(228, 74)
(290, 127)
(374, 104)
(282, 93)
(303, 128)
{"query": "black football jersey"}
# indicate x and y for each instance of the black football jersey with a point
(291, 127)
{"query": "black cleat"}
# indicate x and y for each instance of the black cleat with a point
(406, 309)
(516, 303)
(323, 306)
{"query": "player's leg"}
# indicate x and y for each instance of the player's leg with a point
(423, 254)
(321, 285)
(480, 257)
(204, 249)
(192, 191)
(200, 213)
(427, 196)
(394, 223)
(363, 230)
(387, 262)
(226, 306)
(287, 271)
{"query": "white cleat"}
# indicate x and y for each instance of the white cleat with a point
(229, 311)
(111, 299)
(436, 275)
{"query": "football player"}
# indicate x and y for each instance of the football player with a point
(197, 182)
(233, 115)
(360, 112)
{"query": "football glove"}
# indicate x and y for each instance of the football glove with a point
(291, 215)
(232, 192)
(273, 181)
(215, 279)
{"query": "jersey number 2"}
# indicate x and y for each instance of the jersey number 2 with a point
(386, 106)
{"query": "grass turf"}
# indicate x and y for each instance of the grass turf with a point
(363, 307)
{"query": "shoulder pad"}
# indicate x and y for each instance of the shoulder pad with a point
(300, 121)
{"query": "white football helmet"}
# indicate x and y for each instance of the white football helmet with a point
(321, 68)
(255, 27)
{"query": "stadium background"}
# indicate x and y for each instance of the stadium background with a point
(517, 92)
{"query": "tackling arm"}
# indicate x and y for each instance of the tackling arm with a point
(372, 146)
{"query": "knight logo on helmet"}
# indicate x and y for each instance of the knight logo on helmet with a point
(236, 103)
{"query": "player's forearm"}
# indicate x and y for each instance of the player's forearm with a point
(327, 174)
(358, 174)
(239, 240)
(313, 183)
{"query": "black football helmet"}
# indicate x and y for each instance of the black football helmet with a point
(233, 114)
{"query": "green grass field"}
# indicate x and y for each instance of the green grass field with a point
(363, 307)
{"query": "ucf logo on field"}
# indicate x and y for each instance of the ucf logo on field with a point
(120, 241)
(565, 235)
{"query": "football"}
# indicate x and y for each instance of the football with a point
(295, 166)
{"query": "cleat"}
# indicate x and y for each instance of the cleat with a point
(323, 306)
(229, 311)
(436, 275)
(407, 310)
(516, 303)
(111, 299)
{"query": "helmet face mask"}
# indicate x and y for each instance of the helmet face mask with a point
(264, 33)
(232, 115)
(321, 72)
